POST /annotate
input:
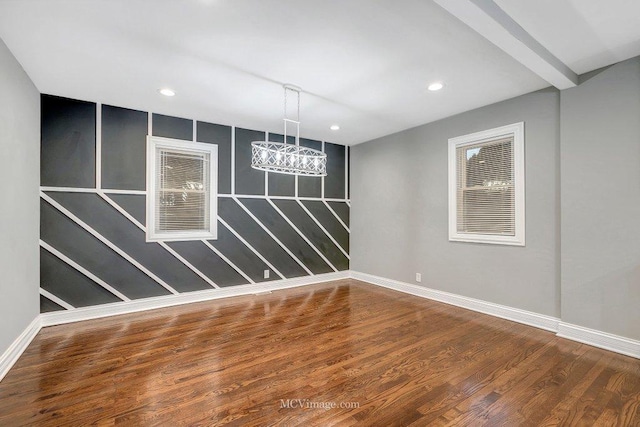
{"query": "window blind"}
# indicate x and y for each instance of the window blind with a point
(485, 187)
(183, 190)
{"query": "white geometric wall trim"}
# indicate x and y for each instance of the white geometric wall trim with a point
(228, 261)
(82, 270)
(57, 300)
(259, 196)
(297, 230)
(337, 217)
(104, 194)
(104, 240)
(251, 248)
(324, 230)
(99, 187)
(606, 341)
(166, 247)
(278, 241)
(140, 265)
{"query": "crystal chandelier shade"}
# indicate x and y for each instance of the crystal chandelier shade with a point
(287, 158)
(291, 159)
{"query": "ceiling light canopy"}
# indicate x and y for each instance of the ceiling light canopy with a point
(167, 92)
(291, 159)
(435, 86)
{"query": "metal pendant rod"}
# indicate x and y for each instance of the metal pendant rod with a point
(296, 89)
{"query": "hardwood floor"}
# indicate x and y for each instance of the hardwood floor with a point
(399, 359)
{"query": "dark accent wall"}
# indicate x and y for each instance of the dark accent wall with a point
(349, 174)
(335, 185)
(282, 184)
(220, 135)
(247, 179)
(124, 134)
(308, 186)
(172, 127)
(94, 249)
(68, 147)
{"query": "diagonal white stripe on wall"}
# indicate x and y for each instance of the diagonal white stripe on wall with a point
(251, 248)
(336, 216)
(52, 297)
(83, 270)
(324, 258)
(282, 245)
(162, 244)
(228, 261)
(324, 230)
(113, 247)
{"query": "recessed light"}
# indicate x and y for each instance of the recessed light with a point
(435, 86)
(335, 127)
(167, 92)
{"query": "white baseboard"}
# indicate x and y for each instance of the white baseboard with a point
(15, 350)
(562, 329)
(600, 339)
(521, 316)
(113, 309)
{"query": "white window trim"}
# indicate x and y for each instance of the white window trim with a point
(517, 130)
(155, 142)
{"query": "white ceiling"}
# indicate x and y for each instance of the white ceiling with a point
(362, 64)
(584, 34)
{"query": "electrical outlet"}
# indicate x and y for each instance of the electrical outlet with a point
(418, 277)
(266, 274)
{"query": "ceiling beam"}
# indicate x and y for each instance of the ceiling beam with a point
(493, 23)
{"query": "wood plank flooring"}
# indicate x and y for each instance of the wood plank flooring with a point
(380, 357)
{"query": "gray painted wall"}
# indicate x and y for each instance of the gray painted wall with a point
(19, 210)
(600, 160)
(400, 212)
(582, 190)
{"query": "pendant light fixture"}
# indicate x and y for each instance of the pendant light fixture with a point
(286, 158)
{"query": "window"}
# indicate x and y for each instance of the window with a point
(181, 190)
(486, 186)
